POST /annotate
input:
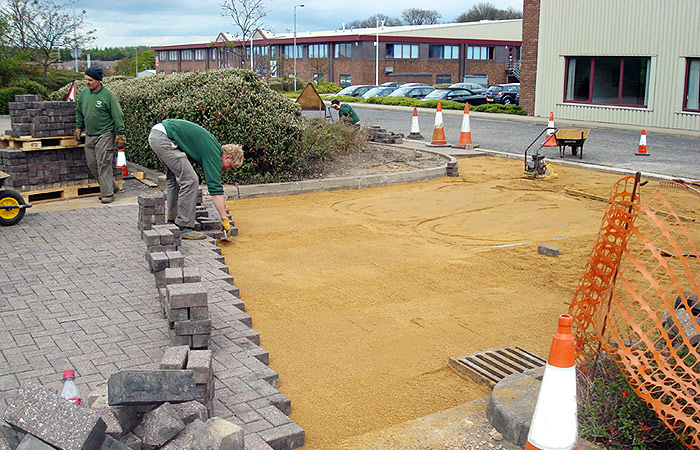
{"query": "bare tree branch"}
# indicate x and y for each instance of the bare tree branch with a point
(417, 16)
(487, 11)
(42, 26)
(247, 17)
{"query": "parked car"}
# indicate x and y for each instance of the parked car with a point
(503, 93)
(379, 91)
(417, 92)
(474, 87)
(356, 90)
(393, 83)
(414, 84)
(517, 98)
(456, 95)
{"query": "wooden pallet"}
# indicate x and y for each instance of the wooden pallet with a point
(491, 366)
(28, 143)
(64, 193)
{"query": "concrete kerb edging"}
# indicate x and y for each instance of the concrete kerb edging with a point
(334, 184)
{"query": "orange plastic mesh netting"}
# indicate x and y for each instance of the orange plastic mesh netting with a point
(638, 301)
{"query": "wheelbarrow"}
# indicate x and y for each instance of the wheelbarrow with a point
(573, 138)
(12, 205)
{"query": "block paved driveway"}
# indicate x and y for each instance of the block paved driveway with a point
(76, 292)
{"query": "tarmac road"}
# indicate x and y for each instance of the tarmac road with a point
(671, 152)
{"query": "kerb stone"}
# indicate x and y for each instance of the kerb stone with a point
(42, 413)
(134, 387)
(200, 361)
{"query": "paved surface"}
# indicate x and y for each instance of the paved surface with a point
(76, 292)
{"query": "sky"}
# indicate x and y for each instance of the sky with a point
(124, 23)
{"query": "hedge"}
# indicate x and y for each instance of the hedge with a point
(445, 104)
(7, 95)
(234, 105)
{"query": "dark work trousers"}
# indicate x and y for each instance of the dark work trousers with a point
(99, 153)
(181, 181)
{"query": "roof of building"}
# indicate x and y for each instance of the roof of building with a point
(485, 30)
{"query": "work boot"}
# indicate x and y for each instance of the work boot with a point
(116, 190)
(189, 233)
(109, 199)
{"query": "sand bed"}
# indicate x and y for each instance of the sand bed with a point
(361, 297)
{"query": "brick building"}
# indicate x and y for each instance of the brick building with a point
(486, 51)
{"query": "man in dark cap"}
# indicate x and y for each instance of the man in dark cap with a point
(346, 110)
(99, 114)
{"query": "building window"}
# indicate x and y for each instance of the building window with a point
(402, 51)
(213, 54)
(318, 51)
(162, 72)
(692, 85)
(172, 55)
(607, 81)
(443, 51)
(163, 55)
(186, 55)
(173, 71)
(443, 78)
(318, 76)
(199, 54)
(479, 52)
(345, 79)
(343, 50)
(289, 51)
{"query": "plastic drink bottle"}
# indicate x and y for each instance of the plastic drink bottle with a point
(70, 390)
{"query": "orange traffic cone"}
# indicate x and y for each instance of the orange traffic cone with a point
(121, 162)
(465, 136)
(642, 149)
(415, 129)
(550, 141)
(554, 424)
(438, 130)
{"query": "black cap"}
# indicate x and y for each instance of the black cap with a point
(335, 102)
(95, 73)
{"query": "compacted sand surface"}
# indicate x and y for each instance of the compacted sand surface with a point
(362, 296)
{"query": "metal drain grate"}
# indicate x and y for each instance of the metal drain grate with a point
(491, 366)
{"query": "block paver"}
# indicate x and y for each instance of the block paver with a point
(76, 292)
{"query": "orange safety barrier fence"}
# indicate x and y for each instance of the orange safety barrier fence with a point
(638, 301)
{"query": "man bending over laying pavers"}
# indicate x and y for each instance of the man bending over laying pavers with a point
(173, 141)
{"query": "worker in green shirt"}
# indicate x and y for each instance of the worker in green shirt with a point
(97, 111)
(173, 141)
(346, 111)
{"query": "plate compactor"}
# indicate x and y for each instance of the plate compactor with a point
(535, 166)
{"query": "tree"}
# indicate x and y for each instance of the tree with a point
(417, 16)
(486, 11)
(371, 22)
(247, 17)
(127, 66)
(42, 26)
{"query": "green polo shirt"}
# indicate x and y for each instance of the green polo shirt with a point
(347, 111)
(98, 112)
(201, 146)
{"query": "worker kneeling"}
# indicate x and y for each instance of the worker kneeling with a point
(173, 141)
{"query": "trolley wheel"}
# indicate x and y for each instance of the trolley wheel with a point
(11, 216)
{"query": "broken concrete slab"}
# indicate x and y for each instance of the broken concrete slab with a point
(226, 435)
(191, 411)
(42, 413)
(175, 358)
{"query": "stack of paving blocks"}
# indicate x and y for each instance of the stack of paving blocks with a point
(378, 134)
(33, 117)
(199, 362)
(151, 211)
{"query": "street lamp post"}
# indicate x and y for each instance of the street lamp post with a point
(295, 44)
